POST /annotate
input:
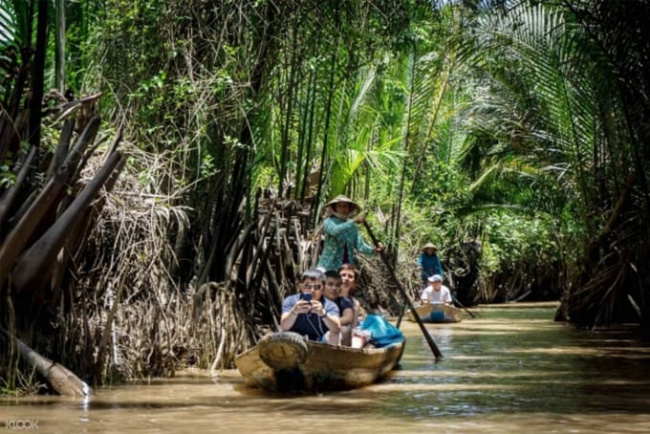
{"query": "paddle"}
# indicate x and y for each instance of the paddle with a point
(461, 305)
(407, 300)
(402, 309)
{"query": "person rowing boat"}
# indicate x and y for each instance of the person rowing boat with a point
(342, 238)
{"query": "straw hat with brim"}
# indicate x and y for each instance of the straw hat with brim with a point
(429, 246)
(344, 199)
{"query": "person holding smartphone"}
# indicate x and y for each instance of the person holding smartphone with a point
(308, 312)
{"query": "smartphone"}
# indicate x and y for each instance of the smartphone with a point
(304, 296)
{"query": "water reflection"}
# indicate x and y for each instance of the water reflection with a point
(509, 370)
(518, 361)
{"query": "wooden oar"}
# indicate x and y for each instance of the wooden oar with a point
(407, 300)
(402, 309)
(461, 305)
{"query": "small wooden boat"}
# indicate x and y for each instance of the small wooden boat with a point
(285, 361)
(437, 313)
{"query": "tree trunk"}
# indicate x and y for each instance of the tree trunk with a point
(62, 380)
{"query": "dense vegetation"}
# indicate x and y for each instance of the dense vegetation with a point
(513, 134)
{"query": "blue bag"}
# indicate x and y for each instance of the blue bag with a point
(383, 333)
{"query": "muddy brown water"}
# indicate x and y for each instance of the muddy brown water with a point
(511, 370)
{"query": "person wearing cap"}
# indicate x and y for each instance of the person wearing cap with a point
(436, 292)
(429, 263)
(342, 238)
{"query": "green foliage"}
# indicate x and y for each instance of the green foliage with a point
(7, 172)
(440, 184)
(7, 176)
(532, 239)
(360, 140)
(499, 120)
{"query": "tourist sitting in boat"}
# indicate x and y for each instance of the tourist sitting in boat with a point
(308, 312)
(346, 306)
(342, 238)
(349, 278)
(436, 292)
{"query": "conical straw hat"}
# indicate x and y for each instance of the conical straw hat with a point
(344, 199)
(429, 246)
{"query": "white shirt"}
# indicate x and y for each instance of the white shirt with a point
(430, 295)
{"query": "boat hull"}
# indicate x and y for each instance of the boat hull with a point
(437, 313)
(325, 367)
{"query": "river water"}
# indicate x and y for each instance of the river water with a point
(510, 370)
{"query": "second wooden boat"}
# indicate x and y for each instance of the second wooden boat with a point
(437, 313)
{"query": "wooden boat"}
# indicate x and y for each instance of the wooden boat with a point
(285, 361)
(437, 313)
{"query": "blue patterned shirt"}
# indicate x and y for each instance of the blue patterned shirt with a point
(339, 236)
